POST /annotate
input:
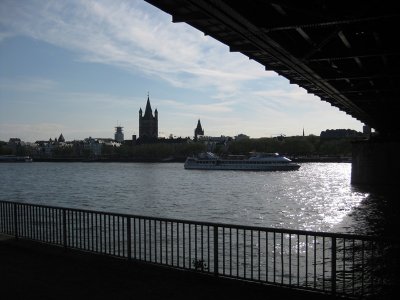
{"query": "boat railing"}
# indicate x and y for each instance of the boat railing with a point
(332, 263)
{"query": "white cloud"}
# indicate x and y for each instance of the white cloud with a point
(198, 109)
(27, 84)
(135, 36)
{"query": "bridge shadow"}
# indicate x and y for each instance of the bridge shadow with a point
(31, 270)
(379, 213)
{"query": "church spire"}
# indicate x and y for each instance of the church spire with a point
(198, 131)
(199, 125)
(148, 124)
(148, 112)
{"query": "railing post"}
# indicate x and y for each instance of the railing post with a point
(128, 237)
(15, 220)
(333, 266)
(215, 250)
(64, 221)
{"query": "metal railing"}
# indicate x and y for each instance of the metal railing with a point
(338, 264)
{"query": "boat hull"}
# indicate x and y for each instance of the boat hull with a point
(255, 167)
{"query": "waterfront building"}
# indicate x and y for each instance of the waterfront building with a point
(119, 135)
(198, 130)
(148, 124)
(96, 145)
(93, 145)
(212, 141)
(44, 148)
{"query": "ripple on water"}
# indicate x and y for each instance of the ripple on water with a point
(317, 197)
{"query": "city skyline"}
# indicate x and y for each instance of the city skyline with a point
(83, 67)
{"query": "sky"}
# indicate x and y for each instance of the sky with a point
(83, 67)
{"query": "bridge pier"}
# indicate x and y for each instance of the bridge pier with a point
(375, 162)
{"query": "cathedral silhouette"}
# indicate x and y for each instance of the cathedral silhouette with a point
(198, 130)
(148, 124)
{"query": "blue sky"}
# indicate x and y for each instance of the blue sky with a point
(82, 67)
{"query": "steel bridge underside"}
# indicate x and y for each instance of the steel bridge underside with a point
(344, 53)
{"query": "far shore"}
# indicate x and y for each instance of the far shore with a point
(327, 159)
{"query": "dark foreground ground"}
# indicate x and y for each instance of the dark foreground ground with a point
(30, 270)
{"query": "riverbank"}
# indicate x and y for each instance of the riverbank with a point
(330, 159)
(31, 270)
(105, 160)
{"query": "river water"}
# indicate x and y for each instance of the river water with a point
(318, 197)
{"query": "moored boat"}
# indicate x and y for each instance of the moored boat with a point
(254, 162)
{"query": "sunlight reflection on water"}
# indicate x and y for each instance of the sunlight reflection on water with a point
(317, 197)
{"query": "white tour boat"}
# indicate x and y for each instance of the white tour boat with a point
(256, 162)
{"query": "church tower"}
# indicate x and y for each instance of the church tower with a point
(119, 135)
(198, 131)
(148, 124)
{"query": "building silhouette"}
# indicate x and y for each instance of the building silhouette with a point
(148, 124)
(340, 133)
(119, 135)
(198, 131)
(366, 130)
(61, 138)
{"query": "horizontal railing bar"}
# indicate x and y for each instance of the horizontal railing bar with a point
(221, 225)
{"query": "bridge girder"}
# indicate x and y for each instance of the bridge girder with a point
(344, 53)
